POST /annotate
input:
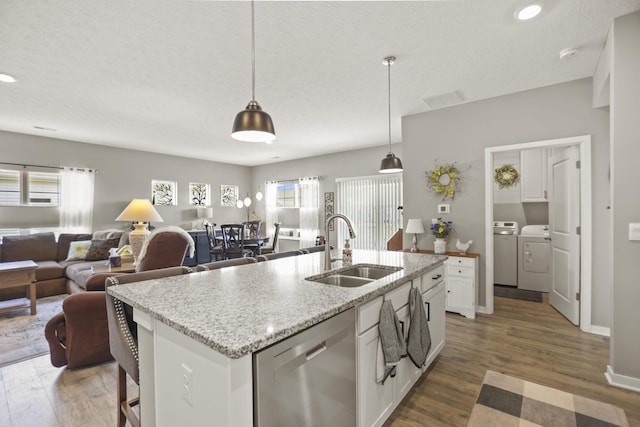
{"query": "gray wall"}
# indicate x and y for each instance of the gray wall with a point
(625, 148)
(123, 175)
(461, 134)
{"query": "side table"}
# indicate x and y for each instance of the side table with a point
(19, 273)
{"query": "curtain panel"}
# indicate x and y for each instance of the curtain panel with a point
(76, 201)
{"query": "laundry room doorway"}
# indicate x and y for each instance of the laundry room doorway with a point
(567, 290)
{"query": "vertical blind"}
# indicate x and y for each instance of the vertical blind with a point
(372, 205)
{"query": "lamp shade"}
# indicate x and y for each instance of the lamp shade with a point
(140, 210)
(204, 212)
(253, 125)
(414, 226)
(390, 164)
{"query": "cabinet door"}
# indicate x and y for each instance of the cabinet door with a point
(407, 373)
(534, 175)
(459, 292)
(434, 302)
(375, 400)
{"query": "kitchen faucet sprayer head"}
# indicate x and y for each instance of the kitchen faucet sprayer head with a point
(352, 233)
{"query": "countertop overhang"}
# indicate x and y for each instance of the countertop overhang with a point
(239, 310)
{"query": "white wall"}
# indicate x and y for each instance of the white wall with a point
(123, 175)
(461, 134)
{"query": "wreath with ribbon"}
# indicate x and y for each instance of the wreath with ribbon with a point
(506, 176)
(443, 180)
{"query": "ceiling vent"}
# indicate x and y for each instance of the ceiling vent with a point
(444, 100)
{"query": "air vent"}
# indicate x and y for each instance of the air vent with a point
(444, 100)
(45, 128)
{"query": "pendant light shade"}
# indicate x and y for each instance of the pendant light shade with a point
(252, 124)
(391, 163)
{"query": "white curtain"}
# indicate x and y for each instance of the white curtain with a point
(309, 196)
(76, 200)
(371, 203)
(270, 194)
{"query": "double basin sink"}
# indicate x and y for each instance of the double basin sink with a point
(355, 276)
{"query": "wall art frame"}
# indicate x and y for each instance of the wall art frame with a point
(164, 193)
(328, 208)
(199, 194)
(228, 195)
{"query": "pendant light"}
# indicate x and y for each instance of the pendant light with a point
(391, 163)
(252, 124)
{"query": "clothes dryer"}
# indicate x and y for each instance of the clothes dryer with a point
(534, 258)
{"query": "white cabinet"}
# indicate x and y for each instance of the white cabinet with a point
(377, 401)
(533, 179)
(462, 280)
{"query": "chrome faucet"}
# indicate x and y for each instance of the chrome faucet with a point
(327, 248)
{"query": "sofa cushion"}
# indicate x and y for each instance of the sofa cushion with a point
(78, 250)
(100, 248)
(107, 234)
(81, 271)
(49, 270)
(65, 239)
(36, 247)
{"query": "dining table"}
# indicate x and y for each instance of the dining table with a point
(252, 243)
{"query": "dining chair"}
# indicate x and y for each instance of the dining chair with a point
(233, 241)
(225, 263)
(216, 251)
(254, 228)
(274, 241)
(123, 339)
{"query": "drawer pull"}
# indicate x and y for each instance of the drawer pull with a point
(460, 271)
(436, 277)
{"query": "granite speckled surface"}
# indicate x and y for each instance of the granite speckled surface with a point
(239, 310)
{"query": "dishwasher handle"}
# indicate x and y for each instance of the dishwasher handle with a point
(316, 350)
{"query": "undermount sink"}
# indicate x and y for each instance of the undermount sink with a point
(355, 276)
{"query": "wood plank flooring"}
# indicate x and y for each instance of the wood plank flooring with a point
(523, 339)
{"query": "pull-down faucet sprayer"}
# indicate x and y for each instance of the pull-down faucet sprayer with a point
(327, 248)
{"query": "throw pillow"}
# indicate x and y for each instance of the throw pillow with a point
(78, 250)
(99, 249)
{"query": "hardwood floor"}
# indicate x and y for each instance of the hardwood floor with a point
(524, 339)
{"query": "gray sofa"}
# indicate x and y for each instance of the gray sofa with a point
(55, 275)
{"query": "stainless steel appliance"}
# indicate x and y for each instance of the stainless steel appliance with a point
(308, 379)
(505, 253)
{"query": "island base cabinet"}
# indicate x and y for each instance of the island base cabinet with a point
(434, 303)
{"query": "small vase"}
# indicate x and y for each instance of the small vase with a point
(440, 245)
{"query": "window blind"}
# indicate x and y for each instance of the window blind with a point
(9, 187)
(372, 205)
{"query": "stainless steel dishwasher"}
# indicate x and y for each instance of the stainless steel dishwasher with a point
(308, 379)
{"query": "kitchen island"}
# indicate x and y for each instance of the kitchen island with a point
(197, 333)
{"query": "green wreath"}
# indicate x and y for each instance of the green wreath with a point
(443, 180)
(506, 176)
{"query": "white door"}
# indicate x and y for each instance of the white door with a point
(564, 220)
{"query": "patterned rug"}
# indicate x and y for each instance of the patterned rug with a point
(507, 401)
(22, 335)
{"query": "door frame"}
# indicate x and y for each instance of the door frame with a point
(584, 144)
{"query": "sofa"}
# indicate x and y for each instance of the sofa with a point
(56, 274)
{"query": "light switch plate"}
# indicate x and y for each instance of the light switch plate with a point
(444, 208)
(634, 231)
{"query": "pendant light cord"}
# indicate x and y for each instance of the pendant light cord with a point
(253, 54)
(389, 104)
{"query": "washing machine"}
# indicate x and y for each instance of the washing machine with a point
(505, 253)
(534, 258)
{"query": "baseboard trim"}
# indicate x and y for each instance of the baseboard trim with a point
(482, 309)
(600, 330)
(622, 381)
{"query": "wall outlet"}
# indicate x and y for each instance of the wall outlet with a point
(187, 384)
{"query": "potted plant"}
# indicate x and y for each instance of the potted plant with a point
(441, 230)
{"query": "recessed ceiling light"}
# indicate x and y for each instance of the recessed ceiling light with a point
(6, 78)
(568, 53)
(529, 12)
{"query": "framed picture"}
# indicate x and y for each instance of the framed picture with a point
(228, 195)
(164, 193)
(328, 209)
(199, 194)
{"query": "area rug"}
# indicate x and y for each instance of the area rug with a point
(507, 401)
(515, 293)
(22, 335)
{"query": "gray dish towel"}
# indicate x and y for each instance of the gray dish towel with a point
(419, 338)
(393, 345)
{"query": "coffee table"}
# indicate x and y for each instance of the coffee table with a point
(19, 273)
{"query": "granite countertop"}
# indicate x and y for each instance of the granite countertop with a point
(239, 310)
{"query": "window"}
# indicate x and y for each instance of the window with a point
(29, 188)
(372, 205)
(288, 194)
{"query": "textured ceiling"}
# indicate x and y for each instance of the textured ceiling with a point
(170, 76)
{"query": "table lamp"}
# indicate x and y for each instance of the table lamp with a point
(415, 226)
(140, 210)
(204, 214)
